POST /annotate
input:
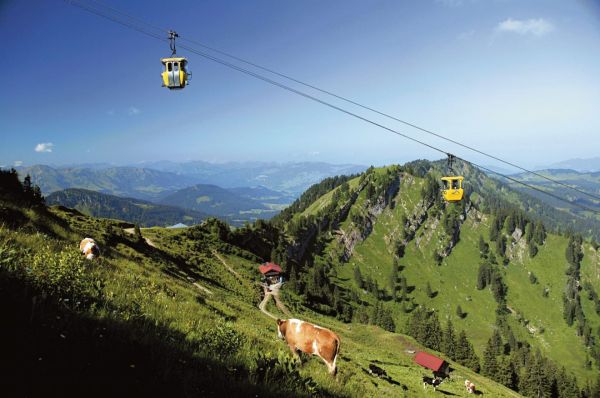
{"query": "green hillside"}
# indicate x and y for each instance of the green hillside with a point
(386, 239)
(175, 318)
(137, 211)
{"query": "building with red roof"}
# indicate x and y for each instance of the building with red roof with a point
(437, 365)
(269, 269)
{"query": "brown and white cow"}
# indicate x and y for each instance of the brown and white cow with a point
(311, 339)
(469, 386)
(89, 248)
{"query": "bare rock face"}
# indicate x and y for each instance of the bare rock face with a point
(373, 210)
(517, 235)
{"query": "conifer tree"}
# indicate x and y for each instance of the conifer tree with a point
(138, 233)
(358, 278)
(495, 227)
(539, 234)
(490, 366)
(496, 344)
(449, 344)
(507, 374)
(484, 248)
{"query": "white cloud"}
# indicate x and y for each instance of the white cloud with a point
(18, 163)
(44, 147)
(314, 153)
(536, 27)
(133, 111)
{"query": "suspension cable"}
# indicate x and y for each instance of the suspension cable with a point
(78, 3)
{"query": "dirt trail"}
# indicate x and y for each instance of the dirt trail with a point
(274, 292)
(234, 272)
(205, 290)
(131, 231)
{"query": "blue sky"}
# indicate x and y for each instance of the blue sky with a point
(516, 78)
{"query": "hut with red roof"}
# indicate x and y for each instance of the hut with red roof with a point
(271, 273)
(439, 367)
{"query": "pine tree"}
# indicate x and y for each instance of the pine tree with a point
(533, 250)
(358, 278)
(465, 354)
(512, 340)
(490, 365)
(375, 316)
(484, 248)
(501, 246)
(507, 374)
(138, 233)
(386, 321)
(482, 276)
(293, 279)
(494, 229)
(433, 332)
(496, 343)
(539, 234)
(529, 233)
(27, 186)
(509, 224)
(449, 344)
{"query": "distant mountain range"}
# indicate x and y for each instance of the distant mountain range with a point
(236, 192)
(134, 182)
(218, 201)
(154, 180)
(587, 182)
(292, 178)
(137, 211)
(589, 165)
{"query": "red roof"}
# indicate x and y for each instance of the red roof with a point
(269, 267)
(429, 361)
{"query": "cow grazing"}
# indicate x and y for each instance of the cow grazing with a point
(432, 381)
(89, 248)
(469, 386)
(311, 339)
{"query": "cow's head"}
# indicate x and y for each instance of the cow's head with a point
(281, 327)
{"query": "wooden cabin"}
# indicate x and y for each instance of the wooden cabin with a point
(271, 273)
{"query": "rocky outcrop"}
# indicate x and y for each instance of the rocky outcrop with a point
(372, 211)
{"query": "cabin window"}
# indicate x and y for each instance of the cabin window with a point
(169, 66)
(455, 184)
(176, 65)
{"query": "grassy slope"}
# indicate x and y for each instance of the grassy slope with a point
(455, 282)
(150, 286)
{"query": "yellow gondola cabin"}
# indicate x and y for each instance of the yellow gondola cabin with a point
(453, 190)
(175, 74)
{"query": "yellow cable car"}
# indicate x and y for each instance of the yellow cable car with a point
(453, 190)
(175, 74)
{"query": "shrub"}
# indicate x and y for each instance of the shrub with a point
(282, 371)
(222, 339)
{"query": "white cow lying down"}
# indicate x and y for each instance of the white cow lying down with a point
(89, 248)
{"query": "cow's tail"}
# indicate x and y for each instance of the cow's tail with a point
(337, 351)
